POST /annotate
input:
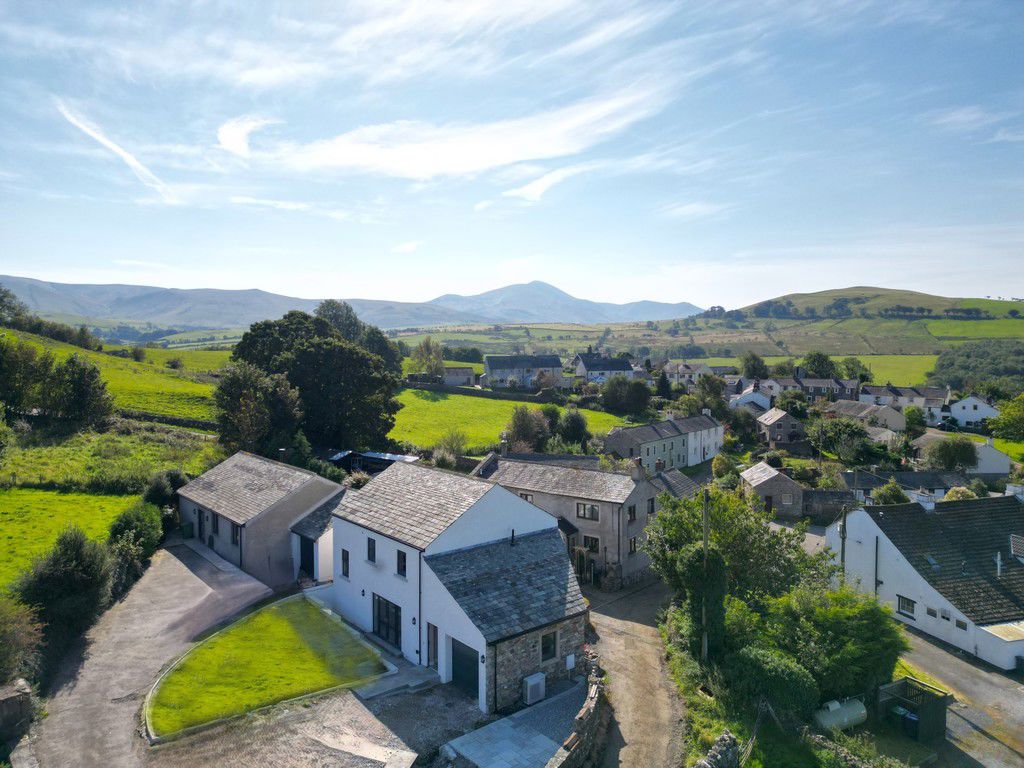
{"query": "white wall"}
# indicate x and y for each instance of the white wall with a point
(704, 445)
(971, 411)
(323, 556)
(491, 518)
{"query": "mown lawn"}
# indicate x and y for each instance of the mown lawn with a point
(407, 366)
(282, 651)
(139, 386)
(1012, 448)
(902, 370)
(426, 416)
(30, 520)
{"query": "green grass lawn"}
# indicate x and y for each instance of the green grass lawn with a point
(287, 649)
(1004, 328)
(30, 520)
(1012, 448)
(194, 360)
(426, 416)
(139, 386)
(407, 366)
(902, 370)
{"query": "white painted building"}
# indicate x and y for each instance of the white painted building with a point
(991, 461)
(675, 442)
(452, 572)
(972, 411)
(953, 570)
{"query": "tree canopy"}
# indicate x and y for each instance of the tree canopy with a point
(846, 439)
(428, 357)
(1009, 424)
(952, 454)
(819, 366)
(753, 366)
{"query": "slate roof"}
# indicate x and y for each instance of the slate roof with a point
(543, 477)
(316, 523)
(962, 538)
(863, 480)
(508, 590)
(674, 483)
(771, 416)
(245, 485)
(602, 363)
(762, 473)
(514, 362)
(855, 409)
(660, 430)
(880, 435)
(411, 503)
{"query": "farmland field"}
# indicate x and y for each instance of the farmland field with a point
(407, 366)
(138, 386)
(1004, 328)
(194, 360)
(902, 370)
(426, 416)
(30, 520)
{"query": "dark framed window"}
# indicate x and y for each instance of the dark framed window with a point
(932, 612)
(632, 545)
(961, 624)
(526, 497)
(631, 512)
(371, 550)
(548, 646)
(400, 564)
(650, 506)
(587, 511)
(236, 531)
(905, 605)
(344, 563)
(215, 523)
(592, 543)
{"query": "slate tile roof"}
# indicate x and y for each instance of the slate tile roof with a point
(863, 480)
(601, 363)
(674, 483)
(316, 523)
(761, 473)
(543, 477)
(507, 590)
(660, 430)
(515, 362)
(771, 416)
(411, 503)
(962, 538)
(245, 485)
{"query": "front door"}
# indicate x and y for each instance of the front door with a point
(767, 503)
(306, 556)
(431, 646)
(465, 668)
(387, 621)
(200, 515)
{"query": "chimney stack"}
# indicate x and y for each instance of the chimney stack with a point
(706, 412)
(659, 465)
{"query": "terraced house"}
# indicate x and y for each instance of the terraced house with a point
(674, 442)
(522, 371)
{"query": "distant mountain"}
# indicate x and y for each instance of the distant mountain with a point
(212, 308)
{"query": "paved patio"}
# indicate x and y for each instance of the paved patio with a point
(526, 739)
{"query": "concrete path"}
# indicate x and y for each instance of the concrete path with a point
(527, 739)
(93, 711)
(646, 727)
(985, 726)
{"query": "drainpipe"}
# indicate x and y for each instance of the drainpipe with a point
(419, 609)
(877, 582)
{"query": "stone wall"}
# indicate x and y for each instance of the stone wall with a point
(15, 709)
(520, 656)
(724, 753)
(585, 745)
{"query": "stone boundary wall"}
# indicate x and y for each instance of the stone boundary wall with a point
(15, 709)
(724, 753)
(846, 758)
(585, 745)
(174, 421)
(544, 396)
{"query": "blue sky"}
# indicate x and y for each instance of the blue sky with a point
(714, 152)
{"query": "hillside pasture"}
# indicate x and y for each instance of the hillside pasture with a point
(1004, 328)
(426, 416)
(192, 360)
(902, 370)
(408, 367)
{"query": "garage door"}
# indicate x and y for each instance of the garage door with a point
(465, 668)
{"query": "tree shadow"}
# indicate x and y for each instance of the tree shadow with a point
(429, 395)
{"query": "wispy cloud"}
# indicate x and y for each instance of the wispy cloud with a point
(1009, 135)
(967, 119)
(483, 205)
(408, 247)
(535, 190)
(233, 136)
(262, 202)
(141, 172)
(693, 210)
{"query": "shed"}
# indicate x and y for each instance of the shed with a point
(915, 707)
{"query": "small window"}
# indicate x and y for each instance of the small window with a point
(400, 564)
(961, 625)
(632, 545)
(548, 646)
(586, 511)
(371, 550)
(215, 524)
(236, 531)
(631, 511)
(944, 613)
(787, 499)
(650, 506)
(905, 605)
(344, 563)
(592, 544)
(932, 612)
(648, 450)
(631, 452)
(526, 497)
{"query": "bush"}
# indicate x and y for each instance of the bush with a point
(357, 480)
(69, 586)
(572, 427)
(327, 470)
(175, 363)
(722, 465)
(444, 459)
(21, 636)
(128, 563)
(143, 522)
(979, 487)
(755, 672)
(453, 442)
(890, 493)
(743, 625)
(773, 459)
(159, 491)
(959, 493)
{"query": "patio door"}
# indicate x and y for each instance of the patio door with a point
(387, 621)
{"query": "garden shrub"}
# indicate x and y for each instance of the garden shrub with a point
(743, 626)
(159, 492)
(357, 480)
(21, 637)
(722, 465)
(143, 522)
(444, 460)
(127, 562)
(755, 672)
(773, 459)
(704, 586)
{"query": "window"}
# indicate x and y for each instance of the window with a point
(631, 512)
(236, 531)
(586, 511)
(932, 612)
(344, 563)
(632, 545)
(371, 550)
(215, 523)
(650, 506)
(905, 605)
(400, 565)
(592, 544)
(961, 625)
(648, 450)
(631, 452)
(975, 408)
(526, 497)
(787, 499)
(945, 614)
(431, 646)
(548, 646)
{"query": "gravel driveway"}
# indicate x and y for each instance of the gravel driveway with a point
(646, 729)
(93, 710)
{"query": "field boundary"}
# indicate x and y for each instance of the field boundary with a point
(524, 397)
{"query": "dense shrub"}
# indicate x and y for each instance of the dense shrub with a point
(744, 626)
(703, 580)
(357, 480)
(890, 493)
(773, 459)
(159, 491)
(127, 563)
(143, 522)
(755, 672)
(722, 465)
(21, 636)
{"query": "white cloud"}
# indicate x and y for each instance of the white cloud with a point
(408, 247)
(967, 119)
(141, 172)
(694, 210)
(233, 136)
(534, 191)
(483, 205)
(1005, 134)
(262, 202)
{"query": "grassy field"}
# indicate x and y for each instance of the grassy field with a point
(1012, 448)
(139, 386)
(1004, 328)
(902, 370)
(407, 366)
(282, 651)
(426, 416)
(30, 520)
(193, 360)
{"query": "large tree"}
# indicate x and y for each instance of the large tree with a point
(854, 368)
(341, 317)
(846, 439)
(78, 393)
(1009, 424)
(753, 366)
(256, 411)
(953, 454)
(819, 366)
(267, 342)
(528, 430)
(793, 402)
(428, 357)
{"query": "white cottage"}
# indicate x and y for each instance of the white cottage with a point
(460, 575)
(972, 411)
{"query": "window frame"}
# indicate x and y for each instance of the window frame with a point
(401, 563)
(961, 624)
(344, 563)
(371, 549)
(932, 612)
(583, 508)
(901, 610)
(650, 506)
(631, 513)
(632, 545)
(215, 524)
(554, 651)
(236, 533)
(595, 550)
(526, 497)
